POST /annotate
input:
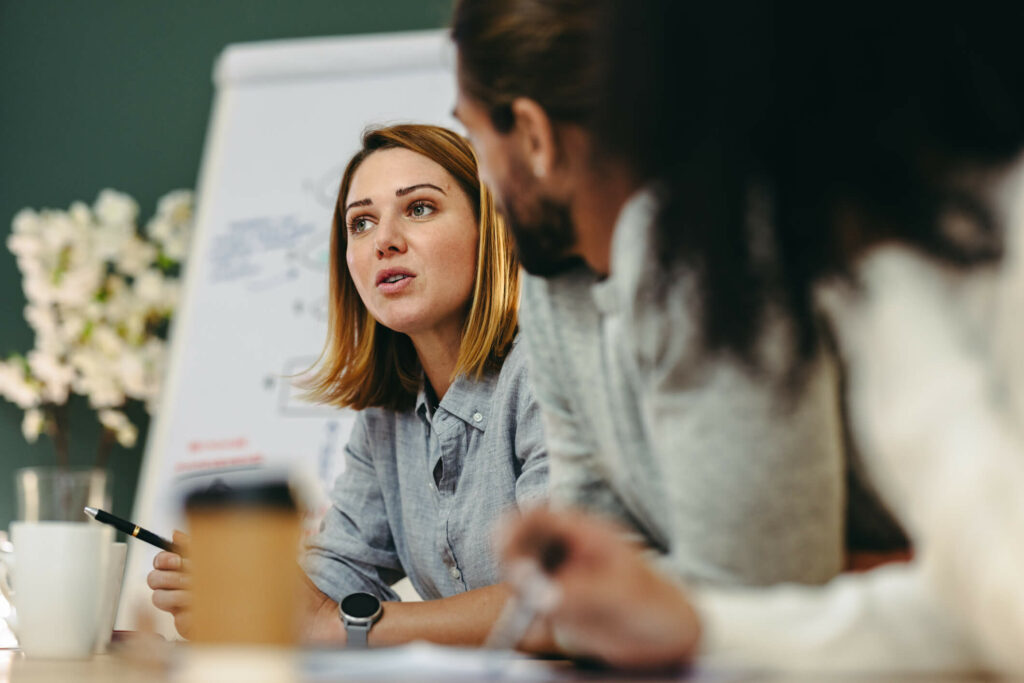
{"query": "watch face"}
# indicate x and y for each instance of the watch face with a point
(360, 605)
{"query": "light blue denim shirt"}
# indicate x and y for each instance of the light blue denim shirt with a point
(420, 494)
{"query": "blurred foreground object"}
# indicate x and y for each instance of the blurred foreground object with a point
(245, 575)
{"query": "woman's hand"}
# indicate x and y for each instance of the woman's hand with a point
(171, 585)
(612, 605)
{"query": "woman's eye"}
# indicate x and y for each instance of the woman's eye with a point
(359, 225)
(421, 210)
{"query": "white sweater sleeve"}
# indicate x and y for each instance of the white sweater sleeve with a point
(883, 620)
(939, 438)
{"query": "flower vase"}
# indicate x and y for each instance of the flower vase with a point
(61, 493)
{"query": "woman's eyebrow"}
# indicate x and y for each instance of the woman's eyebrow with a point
(402, 191)
(359, 202)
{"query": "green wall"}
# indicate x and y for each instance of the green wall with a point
(106, 93)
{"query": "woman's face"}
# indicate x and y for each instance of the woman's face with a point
(412, 243)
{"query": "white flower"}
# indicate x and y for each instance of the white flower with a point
(135, 256)
(59, 231)
(123, 429)
(107, 340)
(171, 227)
(102, 390)
(176, 247)
(16, 387)
(25, 245)
(142, 370)
(51, 341)
(133, 375)
(113, 208)
(128, 435)
(39, 290)
(115, 285)
(87, 363)
(134, 326)
(32, 424)
(55, 376)
(93, 310)
(56, 393)
(81, 214)
(176, 206)
(119, 303)
(32, 267)
(149, 286)
(79, 283)
(156, 293)
(41, 319)
(108, 238)
(25, 221)
(72, 327)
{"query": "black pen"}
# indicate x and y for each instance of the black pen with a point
(132, 529)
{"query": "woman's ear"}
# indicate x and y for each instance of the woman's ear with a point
(536, 135)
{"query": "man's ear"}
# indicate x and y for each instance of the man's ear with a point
(537, 136)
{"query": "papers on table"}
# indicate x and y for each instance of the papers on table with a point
(424, 662)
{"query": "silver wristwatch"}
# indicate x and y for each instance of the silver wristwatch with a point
(359, 611)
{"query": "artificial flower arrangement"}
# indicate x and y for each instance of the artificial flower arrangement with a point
(100, 293)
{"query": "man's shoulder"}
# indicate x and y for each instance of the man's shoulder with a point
(557, 301)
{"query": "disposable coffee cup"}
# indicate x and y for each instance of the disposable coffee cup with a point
(243, 552)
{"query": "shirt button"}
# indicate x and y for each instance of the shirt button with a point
(456, 574)
(477, 417)
(430, 486)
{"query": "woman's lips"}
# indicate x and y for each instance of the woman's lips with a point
(399, 282)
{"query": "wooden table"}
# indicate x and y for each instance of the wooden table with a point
(101, 668)
(120, 669)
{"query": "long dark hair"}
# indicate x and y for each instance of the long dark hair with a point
(788, 137)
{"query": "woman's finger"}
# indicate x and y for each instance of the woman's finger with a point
(183, 623)
(167, 561)
(164, 580)
(172, 601)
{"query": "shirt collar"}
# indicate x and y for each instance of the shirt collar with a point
(467, 399)
(633, 220)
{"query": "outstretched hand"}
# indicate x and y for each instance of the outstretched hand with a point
(612, 605)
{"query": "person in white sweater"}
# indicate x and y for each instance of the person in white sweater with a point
(935, 390)
(885, 160)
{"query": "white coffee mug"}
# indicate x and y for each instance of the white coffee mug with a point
(111, 595)
(56, 581)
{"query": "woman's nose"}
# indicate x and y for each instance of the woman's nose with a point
(388, 238)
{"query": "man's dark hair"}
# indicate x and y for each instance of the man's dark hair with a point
(540, 49)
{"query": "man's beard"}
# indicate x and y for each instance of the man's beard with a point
(543, 231)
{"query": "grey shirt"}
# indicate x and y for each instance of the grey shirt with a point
(420, 493)
(733, 485)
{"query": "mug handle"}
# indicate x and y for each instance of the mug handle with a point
(6, 562)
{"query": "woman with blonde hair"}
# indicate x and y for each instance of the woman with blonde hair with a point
(424, 291)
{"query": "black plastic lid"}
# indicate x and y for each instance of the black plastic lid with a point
(268, 494)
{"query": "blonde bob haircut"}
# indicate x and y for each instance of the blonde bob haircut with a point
(365, 364)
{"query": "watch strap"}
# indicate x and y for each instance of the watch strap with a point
(357, 635)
